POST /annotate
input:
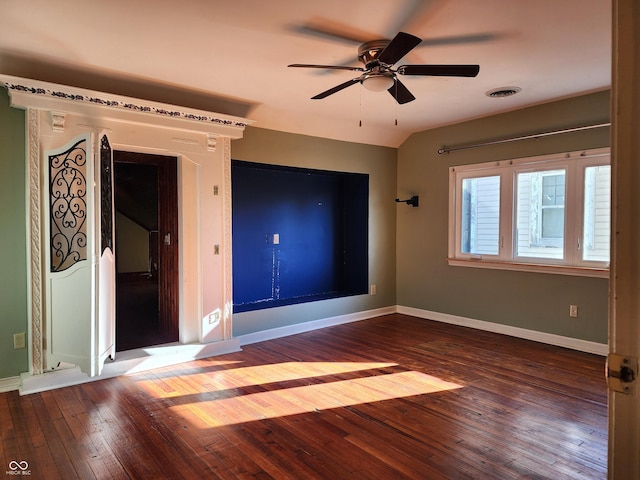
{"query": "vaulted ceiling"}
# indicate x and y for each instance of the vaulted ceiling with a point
(231, 57)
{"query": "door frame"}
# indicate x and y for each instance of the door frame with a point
(168, 255)
(624, 279)
(202, 142)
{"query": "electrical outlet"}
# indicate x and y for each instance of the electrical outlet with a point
(19, 341)
(573, 311)
(214, 317)
(373, 290)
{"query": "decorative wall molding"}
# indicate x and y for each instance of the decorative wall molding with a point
(212, 142)
(61, 101)
(227, 243)
(53, 108)
(34, 235)
(57, 121)
(185, 141)
(82, 96)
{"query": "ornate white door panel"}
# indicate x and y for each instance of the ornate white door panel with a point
(107, 264)
(79, 259)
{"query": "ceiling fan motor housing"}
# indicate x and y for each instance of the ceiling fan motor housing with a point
(368, 52)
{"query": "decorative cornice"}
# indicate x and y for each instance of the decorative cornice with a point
(85, 97)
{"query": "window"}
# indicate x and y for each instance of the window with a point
(547, 213)
(480, 215)
(597, 208)
(540, 214)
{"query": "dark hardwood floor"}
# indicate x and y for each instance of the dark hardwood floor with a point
(388, 398)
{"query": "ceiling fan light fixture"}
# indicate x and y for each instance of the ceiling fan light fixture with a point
(378, 82)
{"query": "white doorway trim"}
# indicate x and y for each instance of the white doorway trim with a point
(202, 142)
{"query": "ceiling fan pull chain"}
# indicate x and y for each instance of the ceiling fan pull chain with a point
(360, 90)
(395, 85)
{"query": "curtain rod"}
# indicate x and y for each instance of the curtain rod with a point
(524, 137)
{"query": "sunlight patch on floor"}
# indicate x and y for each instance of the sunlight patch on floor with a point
(311, 398)
(227, 379)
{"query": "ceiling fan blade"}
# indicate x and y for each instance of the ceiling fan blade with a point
(401, 93)
(334, 30)
(462, 39)
(337, 88)
(401, 44)
(329, 67)
(440, 70)
(414, 15)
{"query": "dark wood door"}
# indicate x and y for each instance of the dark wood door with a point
(147, 194)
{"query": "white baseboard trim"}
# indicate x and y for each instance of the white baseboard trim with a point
(139, 360)
(542, 337)
(131, 361)
(285, 331)
(9, 384)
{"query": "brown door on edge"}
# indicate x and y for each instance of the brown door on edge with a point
(146, 204)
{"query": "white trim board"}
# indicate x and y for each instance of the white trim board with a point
(131, 361)
(296, 328)
(542, 337)
(10, 383)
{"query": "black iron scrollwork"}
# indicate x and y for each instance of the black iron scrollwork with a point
(68, 201)
(106, 195)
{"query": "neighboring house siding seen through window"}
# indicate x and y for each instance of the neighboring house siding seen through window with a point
(480, 215)
(548, 213)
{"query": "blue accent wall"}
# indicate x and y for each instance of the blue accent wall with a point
(299, 235)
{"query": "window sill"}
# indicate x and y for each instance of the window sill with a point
(532, 267)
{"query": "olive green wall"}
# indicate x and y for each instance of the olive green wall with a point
(13, 240)
(408, 246)
(278, 148)
(533, 301)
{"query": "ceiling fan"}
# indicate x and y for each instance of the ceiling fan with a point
(378, 74)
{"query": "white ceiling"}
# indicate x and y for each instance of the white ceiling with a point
(232, 55)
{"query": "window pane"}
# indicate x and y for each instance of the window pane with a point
(480, 215)
(597, 213)
(552, 223)
(540, 214)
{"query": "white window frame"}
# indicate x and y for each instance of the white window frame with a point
(456, 209)
(550, 240)
(574, 164)
(547, 165)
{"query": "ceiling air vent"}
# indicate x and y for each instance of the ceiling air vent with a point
(503, 92)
